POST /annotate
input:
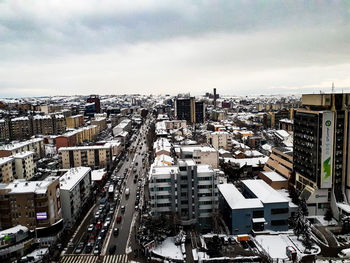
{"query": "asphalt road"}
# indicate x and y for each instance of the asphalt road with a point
(129, 202)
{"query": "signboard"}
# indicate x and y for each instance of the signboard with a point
(327, 149)
(41, 215)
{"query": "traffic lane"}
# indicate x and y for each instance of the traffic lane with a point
(125, 224)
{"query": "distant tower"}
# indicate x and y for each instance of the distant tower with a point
(214, 98)
(332, 87)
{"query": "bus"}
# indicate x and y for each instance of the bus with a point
(111, 192)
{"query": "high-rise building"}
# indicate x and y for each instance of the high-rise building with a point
(96, 100)
(190, 110)
(321, 151)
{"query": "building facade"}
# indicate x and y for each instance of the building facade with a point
(98, 156)
(187, 190)
(220, 140)
(321, 151)
(75, 188)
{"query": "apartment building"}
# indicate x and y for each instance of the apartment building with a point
(50, 108)
(75, 137)
(200, 154)
(321, 151)
(24, 165)
(162, 146)
(123, 126)
(75, 189)
(4, 130)
(220, 140)
(97, 156)
(175, 124)
(75, 121)
(100, 122)
(34, 204)
(20, 128)
(35, 145)
(7, 170)
(188, 190)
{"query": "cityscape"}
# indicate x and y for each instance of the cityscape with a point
(174, 131)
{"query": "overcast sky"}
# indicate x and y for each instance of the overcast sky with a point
(65, 47)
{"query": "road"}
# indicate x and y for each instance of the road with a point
(121, 240)
(129, 202)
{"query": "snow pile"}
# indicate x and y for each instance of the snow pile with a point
(168, 249)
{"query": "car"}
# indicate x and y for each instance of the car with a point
(103, 233)
(96, 250)
(116, 231)
(136, 208)
(122, 208)
(79, 248)
(89, 247)
(90, 228)
(345, 253)
(99, 225)
(119, 219)
(135, 180)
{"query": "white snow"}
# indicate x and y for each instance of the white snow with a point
(168, 249)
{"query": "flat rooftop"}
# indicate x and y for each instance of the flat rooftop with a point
(264, 192)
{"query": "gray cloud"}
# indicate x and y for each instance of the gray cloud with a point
(50, 46)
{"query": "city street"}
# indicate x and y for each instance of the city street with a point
(129, 202)
(133, 164)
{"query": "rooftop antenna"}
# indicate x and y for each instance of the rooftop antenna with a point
(332, 87)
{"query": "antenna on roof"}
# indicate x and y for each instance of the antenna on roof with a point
(332, 87)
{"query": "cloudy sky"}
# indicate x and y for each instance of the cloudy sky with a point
(65, 47)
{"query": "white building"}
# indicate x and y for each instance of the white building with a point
(188, 190)
(124, 125)
(201, 154)
(75, 191)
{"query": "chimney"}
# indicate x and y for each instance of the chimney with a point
(214, 98)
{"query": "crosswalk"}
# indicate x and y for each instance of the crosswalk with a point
(115, 259)
(94, 259)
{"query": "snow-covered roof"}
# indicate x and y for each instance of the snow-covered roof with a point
(275, 177)
(22, 186)
(72, 177)
(13, 230)
(236, 200)
(82, 148)
(97, 175)
(5, 160)
(254, 162)
(22, 154)
(186, 148)
(14, 146)
(264, 192)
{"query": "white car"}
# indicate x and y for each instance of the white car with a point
(345, 253)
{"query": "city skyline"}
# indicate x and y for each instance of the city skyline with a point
(238, 47)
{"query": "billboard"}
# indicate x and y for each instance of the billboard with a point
(41, 215)
(327, 149)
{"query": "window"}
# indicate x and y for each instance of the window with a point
(182, 168)
(278, 222)
(258, 214)
(279, 211)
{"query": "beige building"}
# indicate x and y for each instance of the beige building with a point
(175, 124)
(100, 122)
(34, 204)
(35, 145)
(24, 165)
(220, 140)
(6, 169)
(280, 161)
(93, 156)
(201, 154)
(50, 108)
(75, 121)
(43, 125)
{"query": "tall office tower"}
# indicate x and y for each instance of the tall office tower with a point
(96, 100)
(190, 110)
(321, 152)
